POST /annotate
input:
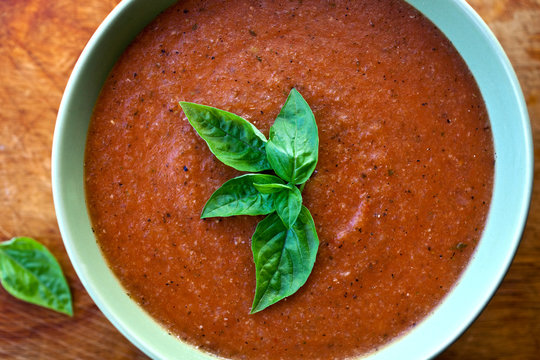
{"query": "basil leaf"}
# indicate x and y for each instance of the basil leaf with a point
(238, 196)
(30, 272)
(288, 204)
(293, 147)
(283, 257)
(232, 139)
(271, 188)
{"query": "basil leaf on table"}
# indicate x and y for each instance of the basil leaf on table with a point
(232, 139)
(30, 272)
(271, 188)
(293, 146)
(288, 204)
(283, 257)
(239, 196)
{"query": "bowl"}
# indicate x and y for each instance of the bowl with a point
(507, 215)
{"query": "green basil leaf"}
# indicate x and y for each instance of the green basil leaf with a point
(30, 272)
(232, 139)
(271, 188)
(293, 147)
(288, 204)
(238, 196)
(283, 257)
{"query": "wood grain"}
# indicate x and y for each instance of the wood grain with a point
(40, 41)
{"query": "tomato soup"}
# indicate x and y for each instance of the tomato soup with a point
(399, 196)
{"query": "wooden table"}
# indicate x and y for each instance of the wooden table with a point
(40, 41)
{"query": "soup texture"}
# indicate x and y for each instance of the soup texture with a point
(399, 196)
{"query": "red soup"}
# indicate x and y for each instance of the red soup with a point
(399, 196)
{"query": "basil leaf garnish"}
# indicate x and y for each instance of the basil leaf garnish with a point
(30, 272)
(238, 196)
(234, 140)
(288, 204)
(271, 188)
(293, 146)
(283, 257)
(285, 243)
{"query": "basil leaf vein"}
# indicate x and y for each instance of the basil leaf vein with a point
(232, 139)
(239, 196)
(29, 272)
(293, 146)
(283, 257)
(272, 188)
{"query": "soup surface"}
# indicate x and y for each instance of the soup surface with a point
(399, 196)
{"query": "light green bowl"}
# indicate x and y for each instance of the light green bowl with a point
(508, 211)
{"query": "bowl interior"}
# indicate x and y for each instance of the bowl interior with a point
(508, 211)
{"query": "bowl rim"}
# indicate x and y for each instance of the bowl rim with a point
(61, 199)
